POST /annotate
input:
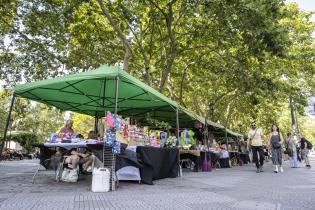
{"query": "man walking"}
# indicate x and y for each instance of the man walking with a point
(255, 142)
(306, 146)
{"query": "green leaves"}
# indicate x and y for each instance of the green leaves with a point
(26, 140)
(233, 54)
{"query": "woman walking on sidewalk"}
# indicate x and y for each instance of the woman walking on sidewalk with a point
(275, 145)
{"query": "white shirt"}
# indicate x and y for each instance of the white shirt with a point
(256, 138)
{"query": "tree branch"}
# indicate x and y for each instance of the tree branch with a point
(42, 46)
(158, 7)
(122, 37)
(173, 46)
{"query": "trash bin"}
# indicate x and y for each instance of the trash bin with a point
(101, 180)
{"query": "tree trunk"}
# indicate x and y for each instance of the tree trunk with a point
(126, 60)
(166, 73)
(121, 36)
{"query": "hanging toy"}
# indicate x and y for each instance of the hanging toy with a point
(116, 147)
(117, 121)
(126, 130)
(186, 137)
(110, 120)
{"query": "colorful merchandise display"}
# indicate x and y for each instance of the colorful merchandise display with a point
(187, 138)
(171, 142)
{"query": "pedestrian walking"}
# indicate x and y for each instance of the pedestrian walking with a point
(306, 146)
(255, 143)
(275, 145)
(292, 150)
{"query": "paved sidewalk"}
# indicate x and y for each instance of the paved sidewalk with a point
(235, 188)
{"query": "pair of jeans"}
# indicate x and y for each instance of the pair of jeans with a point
(260, 151)
(293, 160)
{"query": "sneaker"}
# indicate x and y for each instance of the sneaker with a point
(281, 169)
(261, 169)
(258, 170)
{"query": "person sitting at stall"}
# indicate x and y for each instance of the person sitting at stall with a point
(198, 132)
(80, 136)
(81, 156)
(92, 135)
(67, 131)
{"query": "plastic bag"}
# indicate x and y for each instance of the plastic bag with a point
(69, 175)
(53, 137)
(65, 174)
(110, 138)
(116, 148)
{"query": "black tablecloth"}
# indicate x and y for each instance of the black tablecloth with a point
(157, 163)
(154, 163)
(245, 158)
(126, 158)
(45, 156)
(224, 162)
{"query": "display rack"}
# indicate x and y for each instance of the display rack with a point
(109, 162)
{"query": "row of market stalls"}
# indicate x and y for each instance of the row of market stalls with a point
(107, 90)
(111, 89)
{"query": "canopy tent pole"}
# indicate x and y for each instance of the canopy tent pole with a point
(177, 127)
(206, 137)
(116, 95)
(8, 122)
(96, 124)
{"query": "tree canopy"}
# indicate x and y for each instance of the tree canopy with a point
(233, 60)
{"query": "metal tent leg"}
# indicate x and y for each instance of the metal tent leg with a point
(8, 122)
(177, 127)
(116, 95)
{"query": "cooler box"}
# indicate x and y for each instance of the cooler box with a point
(101, 180)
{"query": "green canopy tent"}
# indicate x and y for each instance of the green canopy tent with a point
(105, 89)
(213, 127)
(93, 92)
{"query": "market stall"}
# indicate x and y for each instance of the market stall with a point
(109, 91)
(214, 146)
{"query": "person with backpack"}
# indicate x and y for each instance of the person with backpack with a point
(306, 146)
(275, 145)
